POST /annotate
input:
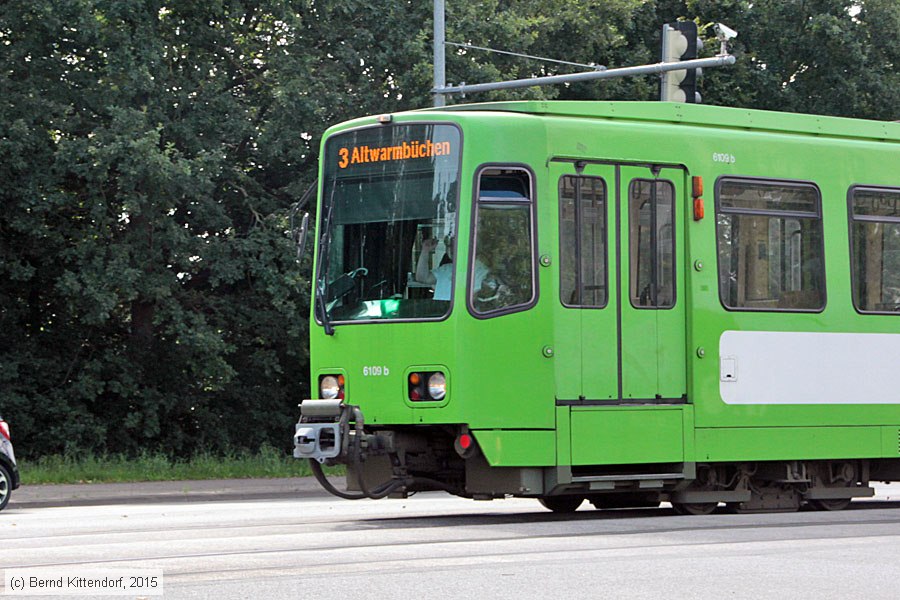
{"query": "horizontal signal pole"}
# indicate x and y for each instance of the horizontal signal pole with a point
(663, 67)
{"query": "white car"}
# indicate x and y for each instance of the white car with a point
(9, 472)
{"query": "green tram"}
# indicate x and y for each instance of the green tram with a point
(622, 302)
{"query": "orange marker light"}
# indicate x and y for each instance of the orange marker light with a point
(414, 379)
(698, 209)
(697, 192)
(696, 187)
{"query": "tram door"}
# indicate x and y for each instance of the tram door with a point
(651, 298)
(585, 322)
(620, 331)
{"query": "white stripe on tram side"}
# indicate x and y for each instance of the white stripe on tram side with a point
(771, 367)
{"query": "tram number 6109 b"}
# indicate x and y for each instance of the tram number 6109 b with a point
(376, 371)
(720, 157)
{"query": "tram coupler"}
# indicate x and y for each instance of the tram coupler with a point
(330, 431)
(321, 434)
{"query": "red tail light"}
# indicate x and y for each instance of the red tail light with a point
(465, 445)
(4, 429)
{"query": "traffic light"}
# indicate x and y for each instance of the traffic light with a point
(680, 42)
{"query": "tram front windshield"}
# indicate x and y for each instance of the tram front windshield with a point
(390, 193)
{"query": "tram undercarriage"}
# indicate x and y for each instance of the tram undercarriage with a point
(402, 460)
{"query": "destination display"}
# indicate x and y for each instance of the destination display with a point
(404, 151)
(390, 173)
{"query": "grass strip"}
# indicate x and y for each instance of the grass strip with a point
(268, 462)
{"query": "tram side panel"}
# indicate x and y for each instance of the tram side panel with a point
(775, 372)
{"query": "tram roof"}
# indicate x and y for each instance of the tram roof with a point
(697, 115)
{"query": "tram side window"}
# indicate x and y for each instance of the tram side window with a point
(875, 249)
(770, 250)
(582, 241)
(651, 243)
(501, 276)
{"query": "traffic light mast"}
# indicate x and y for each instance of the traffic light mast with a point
(679, 54)
(679, 43)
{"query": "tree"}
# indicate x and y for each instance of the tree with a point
(149, 295)
(830, 57)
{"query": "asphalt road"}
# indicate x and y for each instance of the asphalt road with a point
(224, 540)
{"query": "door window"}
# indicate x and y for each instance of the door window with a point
(582, 237)
(651, 248)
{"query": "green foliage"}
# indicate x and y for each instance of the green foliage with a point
(150, 151)
(150, 299)
(831, 57)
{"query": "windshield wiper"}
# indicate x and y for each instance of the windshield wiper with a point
(321, 280)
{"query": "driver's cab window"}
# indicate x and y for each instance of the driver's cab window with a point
(389, 196)
(501, 273)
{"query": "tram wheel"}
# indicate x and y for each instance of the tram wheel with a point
(835, 475)
(833, 504)
(561, 504)
(694, 508)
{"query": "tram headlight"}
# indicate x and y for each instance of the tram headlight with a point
(331, 386)
(426, 386)
(437, 386)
